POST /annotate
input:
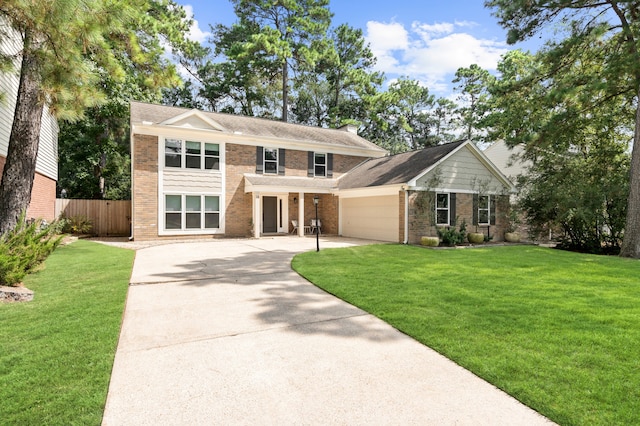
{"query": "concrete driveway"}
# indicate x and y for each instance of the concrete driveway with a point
(224, 332)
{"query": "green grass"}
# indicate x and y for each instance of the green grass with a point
(559, 331)
(57, 351)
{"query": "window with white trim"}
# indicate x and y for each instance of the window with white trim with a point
(270, 160)
(442, 209)
(484, 210)
(320, 164)
(191, 154)
(188, 212)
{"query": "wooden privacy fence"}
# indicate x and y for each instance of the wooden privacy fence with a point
(108, 217)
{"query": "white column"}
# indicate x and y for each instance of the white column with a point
(257, 215)
(301, 214)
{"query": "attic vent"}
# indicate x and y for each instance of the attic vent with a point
(349, 128)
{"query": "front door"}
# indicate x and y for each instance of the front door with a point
(269, 214)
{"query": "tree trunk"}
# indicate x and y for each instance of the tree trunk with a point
(20, 166)
(285, 91)
(631, 239)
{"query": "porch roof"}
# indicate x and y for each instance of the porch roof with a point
(262, 183)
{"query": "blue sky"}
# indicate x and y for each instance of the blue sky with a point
(427, 40)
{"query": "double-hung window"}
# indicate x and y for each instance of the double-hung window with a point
(271, 161)
(442, 209)
(484, 210)
(320, 164)
(187, 212)
(191, 154)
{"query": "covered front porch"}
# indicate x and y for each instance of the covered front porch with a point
(285, 205)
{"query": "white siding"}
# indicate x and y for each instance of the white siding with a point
(47, 163)
(463, 171)
(500, 155)
(373, 218)
(197, 182)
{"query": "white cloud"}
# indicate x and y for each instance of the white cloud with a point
(195, 33)
(431, 53)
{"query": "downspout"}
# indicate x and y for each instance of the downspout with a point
(132, 145)
(406, 216)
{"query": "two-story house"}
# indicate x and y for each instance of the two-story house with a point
(203, 174)
(43, 193)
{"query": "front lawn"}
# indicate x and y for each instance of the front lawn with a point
(559, 331)
(57, 351)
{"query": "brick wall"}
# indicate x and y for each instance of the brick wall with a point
(421, 223)
(145, 187)
(239, 159)
(43, 196)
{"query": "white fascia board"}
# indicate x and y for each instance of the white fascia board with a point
(249, 187)
(375, 191)
(194, 113)
(240, 139)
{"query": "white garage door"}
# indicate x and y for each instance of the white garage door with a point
(373, 218)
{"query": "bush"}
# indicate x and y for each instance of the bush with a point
(80, 224)
(429, 241)
(24, 248)
(450, 236)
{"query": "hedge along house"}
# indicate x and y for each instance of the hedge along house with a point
(43, 193)
(202, 174)
(406, 196)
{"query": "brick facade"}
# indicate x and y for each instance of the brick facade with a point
(43, 196)
(240, 159)
(421, 221)
(145, 187)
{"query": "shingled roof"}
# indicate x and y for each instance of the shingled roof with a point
(395, 169)
(238, 126)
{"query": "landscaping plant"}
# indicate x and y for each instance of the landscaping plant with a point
(23, 249)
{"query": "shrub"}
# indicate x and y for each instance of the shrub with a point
(80, 224)
(24, 248)
(450, 236)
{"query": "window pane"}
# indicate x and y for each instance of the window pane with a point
(173, 145)
(212, 204)
(443, 217)
(320, 158)
(193, 147)
(483, 202)
(173, 203)
(173, 221)
(271, 167)
(442, 201)
(193, 203)
(212, 220)
(321, 171)
(483, 216)
(271, 154)
(211, 149)
(193, 220)
(193, 162)
(211, 163)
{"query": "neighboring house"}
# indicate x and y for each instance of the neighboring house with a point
(507, 159)
(202, 174)
(43, 193)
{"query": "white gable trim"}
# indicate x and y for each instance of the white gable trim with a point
(193, 113)
(479, 155)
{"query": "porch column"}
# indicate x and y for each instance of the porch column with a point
(257, 215)
(301, 214)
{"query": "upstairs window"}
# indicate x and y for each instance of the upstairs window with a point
(320, 164)
(172, 153)
(191, 154)
(271, 161)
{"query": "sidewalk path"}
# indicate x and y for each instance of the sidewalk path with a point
(225, 333)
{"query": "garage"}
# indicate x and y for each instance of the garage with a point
(373, 218)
